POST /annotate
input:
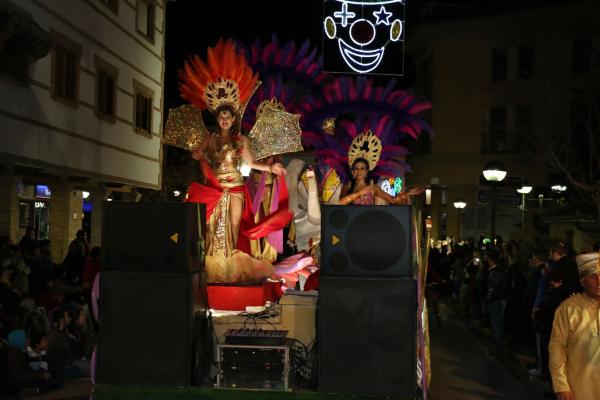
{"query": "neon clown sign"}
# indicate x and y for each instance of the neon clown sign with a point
(362, 36)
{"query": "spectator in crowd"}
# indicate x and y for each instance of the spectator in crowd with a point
(28, 238)
(81, 329)
(40, 275)
(75, 259)
(496, 300)
(473, 304)
(91, 268)
(544, 315)
(560, 255)
(537, 265)
(65, 357)
(16, 372)
(482, 285)
(457, 272)
(574, 343)
(36, 351)
(20, 271)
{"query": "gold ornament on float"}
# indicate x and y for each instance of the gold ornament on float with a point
(366, 146)
(273, 104)
(329, 126)
(185, 128)
(275, 132)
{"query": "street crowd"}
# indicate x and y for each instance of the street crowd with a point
(539, 297)
(47, 327)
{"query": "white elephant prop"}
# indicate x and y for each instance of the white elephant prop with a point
(304, 203)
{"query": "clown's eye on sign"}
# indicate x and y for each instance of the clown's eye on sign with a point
(363, 36)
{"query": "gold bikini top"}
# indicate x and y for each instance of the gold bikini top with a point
(226, 161)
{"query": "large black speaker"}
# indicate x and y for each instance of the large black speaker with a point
(153, 237)
(152, 327)
(366, 336)
(366, 241)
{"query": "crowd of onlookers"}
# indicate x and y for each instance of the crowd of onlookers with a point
(47, 330)
(513, 287)
(541, 297)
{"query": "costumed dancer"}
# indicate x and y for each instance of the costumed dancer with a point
(372, 151)
(363, 156)
(224, 85)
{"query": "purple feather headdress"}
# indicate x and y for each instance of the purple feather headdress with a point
(332, 150)
(362, 98)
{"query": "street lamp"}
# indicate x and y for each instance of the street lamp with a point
(526, 188)
(459, 204)
(494, 171)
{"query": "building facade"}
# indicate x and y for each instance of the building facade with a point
(493, 81)
(81, 112)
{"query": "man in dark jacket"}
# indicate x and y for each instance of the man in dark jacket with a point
(538, 264)
(543, 316)
(560, 255)
(496, 300)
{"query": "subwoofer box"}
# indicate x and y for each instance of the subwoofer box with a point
(153, 237)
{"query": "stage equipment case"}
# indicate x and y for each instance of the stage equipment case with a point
(254, 367)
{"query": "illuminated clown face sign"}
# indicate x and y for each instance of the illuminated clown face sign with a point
(364, 36)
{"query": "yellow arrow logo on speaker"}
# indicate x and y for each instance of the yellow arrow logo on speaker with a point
(334, 240)
(175, 237)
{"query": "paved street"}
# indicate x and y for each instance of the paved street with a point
(462, 368)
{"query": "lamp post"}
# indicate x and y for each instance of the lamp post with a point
(460, 204)
(526, 188)
(494, 171)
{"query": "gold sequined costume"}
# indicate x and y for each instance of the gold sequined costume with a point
(223, 262)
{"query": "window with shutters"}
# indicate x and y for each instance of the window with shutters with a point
(106, 90)
(65, 69)
(142, 112)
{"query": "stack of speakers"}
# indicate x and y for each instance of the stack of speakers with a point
(367, 302)
(152, 300)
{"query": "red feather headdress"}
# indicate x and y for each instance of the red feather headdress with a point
(225, 78)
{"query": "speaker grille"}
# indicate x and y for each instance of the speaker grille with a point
(366, 241)
(375, 241)
(339, 218)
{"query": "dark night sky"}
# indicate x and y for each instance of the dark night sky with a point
(194, 25)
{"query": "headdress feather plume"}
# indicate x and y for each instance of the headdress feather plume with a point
(222, 62)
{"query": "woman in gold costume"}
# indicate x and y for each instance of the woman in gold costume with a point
(223, 85)
(224, 152)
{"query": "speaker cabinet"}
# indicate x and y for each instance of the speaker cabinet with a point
(153, 237)
(366, 337)
(366, 241)
(151, 329)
